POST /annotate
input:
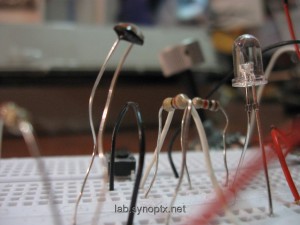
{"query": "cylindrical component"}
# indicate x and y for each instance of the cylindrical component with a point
(211, 105)
(247, 62)
(180, 101)
(167, 104)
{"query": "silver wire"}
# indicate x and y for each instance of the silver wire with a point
(258, 123)
(83, 186)
(91, 99)
(224, 145)
(188, 176)
(27, 133)
(184, 143)
(159, 146)
(157, 152)
(103, 191)
(246, 143)
(209, 167)
(108, 101)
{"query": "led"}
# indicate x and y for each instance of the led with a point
(247, 62)
(248, 73)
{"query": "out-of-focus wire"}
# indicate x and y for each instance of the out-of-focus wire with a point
(16, 119)
(290, 25)
(1, 136)
(276, 144)
(27, 132)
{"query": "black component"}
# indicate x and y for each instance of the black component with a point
(129, 32)
(124, 163)
(142, 145)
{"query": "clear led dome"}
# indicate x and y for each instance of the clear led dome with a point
(247, 62)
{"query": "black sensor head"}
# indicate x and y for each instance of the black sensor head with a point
(129, 32)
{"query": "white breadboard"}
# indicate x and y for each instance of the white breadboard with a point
(24, 200)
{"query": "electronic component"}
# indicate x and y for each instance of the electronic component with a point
(180, 101)
(248, 72)
(247, 62)
(124, 163)
(121, 160)
(16, 119)
(130, 33)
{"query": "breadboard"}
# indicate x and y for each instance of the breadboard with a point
(24, 200)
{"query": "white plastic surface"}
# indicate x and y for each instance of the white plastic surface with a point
(23, 198)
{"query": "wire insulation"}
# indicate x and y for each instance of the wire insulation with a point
(142, 144)
(276, 145)
(184, 144)
(161, 140)
(290, 26)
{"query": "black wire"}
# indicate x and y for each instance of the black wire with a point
(219, 84)
(170, 149)
(266, 49)
(280, 44)
(142, 146)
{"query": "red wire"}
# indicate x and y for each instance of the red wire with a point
(207, 212)
(291, 27)
(275, 138)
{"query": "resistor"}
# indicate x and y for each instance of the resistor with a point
(180, 101)
(211, 105)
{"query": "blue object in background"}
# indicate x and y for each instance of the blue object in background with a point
(136, 11)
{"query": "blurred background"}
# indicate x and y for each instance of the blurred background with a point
(52, 51)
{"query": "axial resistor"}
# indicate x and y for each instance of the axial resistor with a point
(211, 105)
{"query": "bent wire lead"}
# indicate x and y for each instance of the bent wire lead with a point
(184, 145)
(16, 119)
(169, 105)
(128, 32)
(157, 150)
